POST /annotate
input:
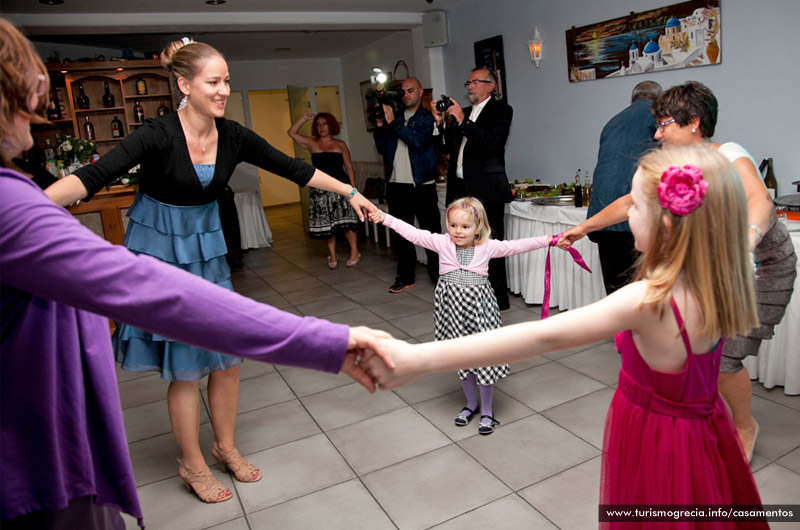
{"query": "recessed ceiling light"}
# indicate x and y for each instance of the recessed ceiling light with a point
(282, 50)
(215, 2)
(51, 2)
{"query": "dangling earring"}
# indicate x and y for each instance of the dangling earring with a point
(182, 104)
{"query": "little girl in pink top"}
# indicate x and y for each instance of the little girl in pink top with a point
(464, 301)
(669, 439)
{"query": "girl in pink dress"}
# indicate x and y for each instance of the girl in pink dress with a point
(669, 440)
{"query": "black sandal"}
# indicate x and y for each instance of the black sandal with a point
(463, 420)
(487, 429)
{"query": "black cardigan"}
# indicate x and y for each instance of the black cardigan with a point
(167, 173)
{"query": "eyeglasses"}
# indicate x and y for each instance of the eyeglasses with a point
(665, 123)
(472, 82)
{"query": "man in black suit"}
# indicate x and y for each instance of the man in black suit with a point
(475, 138)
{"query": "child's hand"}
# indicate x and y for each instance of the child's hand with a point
(407, 361)
(377, 216)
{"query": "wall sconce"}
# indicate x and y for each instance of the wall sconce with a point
(536, 44)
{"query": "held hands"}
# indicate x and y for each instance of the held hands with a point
(568, 237)
(394, 364)
(378, 216)
(362, 206)
(360, 344)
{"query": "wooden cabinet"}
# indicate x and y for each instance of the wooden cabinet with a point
(104, 214)
(121, 76)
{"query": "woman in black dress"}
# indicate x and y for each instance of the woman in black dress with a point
(327, 212)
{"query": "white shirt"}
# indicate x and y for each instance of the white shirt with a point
(402, 172)
(473, 116)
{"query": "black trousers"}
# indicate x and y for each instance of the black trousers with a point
(495, 213)
(405, 202)
(617, 255)
(230, 228)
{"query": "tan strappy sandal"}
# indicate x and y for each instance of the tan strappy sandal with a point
(243, 470)
(203, 484)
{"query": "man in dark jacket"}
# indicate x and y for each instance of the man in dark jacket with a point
(475, 138)
(410, 163)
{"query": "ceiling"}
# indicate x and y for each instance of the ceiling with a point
(241, 29)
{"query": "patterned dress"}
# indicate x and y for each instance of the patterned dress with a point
(465, 303)
(329, 212)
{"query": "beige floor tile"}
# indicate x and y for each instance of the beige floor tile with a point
(433, 488)
(776, 394)
(401, 307)
(272, 426)
(584, 417)
(387, 439)
(414, 325)
(526, 451)
(151, 419)
(155, 458)
(250, 369)
(139, 391)
(346, 506)
(792, 461)
(297, 469)
(780, 428)
(601, 362)
(327, 307)
(305, 382)
(548, 385)
(166, 505)
(303, 294)
(355, 317)
(777, 485)
(429, 386)
(258, 392)
(508, 513)
(236, 524)
(349, 404)
(442, 412)
(569, 499)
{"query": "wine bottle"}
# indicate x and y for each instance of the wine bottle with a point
(770, 181)
(162, 109)
(54, 108)
(49, 152)
(587, 189)
(578, 190)
(116, 128)
(83, 101)
(138, 112)
(108, 97)
(141, 86)
(88, 129)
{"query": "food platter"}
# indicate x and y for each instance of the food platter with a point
(561, 200)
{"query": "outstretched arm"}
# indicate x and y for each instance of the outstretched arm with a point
(614, 213)
(360, 204)
(507, 344)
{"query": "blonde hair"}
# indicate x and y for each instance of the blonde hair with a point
(476, 209)
(185, 58)
(709, 245)
(20, 71)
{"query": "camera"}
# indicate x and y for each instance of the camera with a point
(377, 98)
(444, 103)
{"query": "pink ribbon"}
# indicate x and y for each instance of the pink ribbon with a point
(576, 256)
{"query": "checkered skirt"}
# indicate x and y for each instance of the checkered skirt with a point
(464, 303)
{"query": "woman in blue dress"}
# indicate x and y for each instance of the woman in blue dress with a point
(187, 158)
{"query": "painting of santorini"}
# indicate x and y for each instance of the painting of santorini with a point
(676, 36)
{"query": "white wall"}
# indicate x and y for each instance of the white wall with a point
(356, 67)
(557, 124)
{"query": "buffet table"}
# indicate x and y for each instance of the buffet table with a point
(571, 286)
(778, 361)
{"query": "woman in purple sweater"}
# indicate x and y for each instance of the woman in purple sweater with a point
(64, 460)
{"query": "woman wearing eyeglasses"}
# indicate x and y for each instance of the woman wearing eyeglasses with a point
(687, 115)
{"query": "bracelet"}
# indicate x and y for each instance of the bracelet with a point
(758, 231)
(354, 191)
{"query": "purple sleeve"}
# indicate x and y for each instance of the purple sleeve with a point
(45, 251)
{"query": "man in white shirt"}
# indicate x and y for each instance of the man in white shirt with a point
(410, 161)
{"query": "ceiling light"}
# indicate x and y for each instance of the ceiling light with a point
(282, 50)
(51, 2)
(215, 2)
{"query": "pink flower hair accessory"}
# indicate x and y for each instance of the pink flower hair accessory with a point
(682, 189)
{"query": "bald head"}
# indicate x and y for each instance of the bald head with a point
(412, 93)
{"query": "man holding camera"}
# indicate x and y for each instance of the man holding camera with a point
(410, 162)
(475, 138)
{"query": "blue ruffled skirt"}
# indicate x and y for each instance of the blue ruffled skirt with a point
(188, 237)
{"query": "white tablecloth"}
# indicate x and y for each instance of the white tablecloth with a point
(253, 225)
(571, 286)
(778, 360)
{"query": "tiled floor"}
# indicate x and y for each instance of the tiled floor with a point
(336, 457)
